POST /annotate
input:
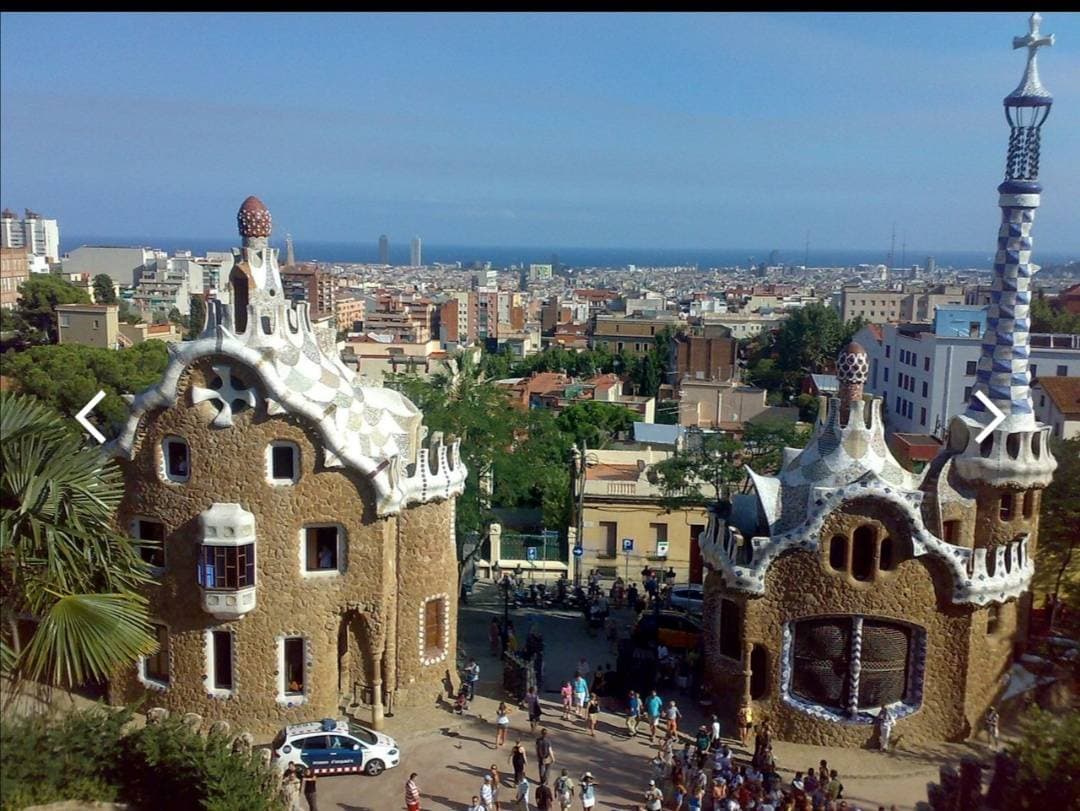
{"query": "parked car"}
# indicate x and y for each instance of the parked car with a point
(677, 631)
(335, 747)
(688, 597)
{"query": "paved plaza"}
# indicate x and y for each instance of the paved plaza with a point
(451, 753)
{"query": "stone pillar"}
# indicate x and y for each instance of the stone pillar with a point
(495, 536)
(747, 672)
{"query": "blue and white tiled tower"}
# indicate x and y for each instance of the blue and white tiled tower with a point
(998, 440)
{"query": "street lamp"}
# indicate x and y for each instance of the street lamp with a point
(583, 461)
(505, 585)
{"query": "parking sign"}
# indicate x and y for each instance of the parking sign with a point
(627, 544)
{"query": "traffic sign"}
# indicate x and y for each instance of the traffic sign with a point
(578, 551)
(530, 553)
(661, 549)
(627, 544)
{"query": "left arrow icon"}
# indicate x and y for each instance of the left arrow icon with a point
(85, 423)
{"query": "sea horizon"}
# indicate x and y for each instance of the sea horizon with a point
(344, 252)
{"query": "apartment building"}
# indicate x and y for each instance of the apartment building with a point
(33, 234)
(309, 283)
(14, 270)
(635, 334)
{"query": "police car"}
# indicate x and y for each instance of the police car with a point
(335, 747)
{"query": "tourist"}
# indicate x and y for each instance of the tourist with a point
(654, 798)
(588, 791)
(703, 740)
(672, 716)
(517, 760)
(744, 721)
(489, 794)
(653, 705)
(310, 789)
(714, 733)
(532, 704)
(502, 723)
(678, 793)
(834, 788)
(412, 794)
(494, 636)
(564, 791)
(545, 754)
(696, 801)
(476, 805)
(810, 783)
(885, 723)
(992, 721)
(544, 796)
(472, 676)
(290, 789)
(521, 799)
(567, 694)
(581, 694)
(592, 714)
(511, 639)
(633, 714)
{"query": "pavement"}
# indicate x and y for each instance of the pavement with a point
(451, 753)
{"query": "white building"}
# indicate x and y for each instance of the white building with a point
(744, 325)
(926, 372)
(124, 265)
(38, 235)
(1057, 403)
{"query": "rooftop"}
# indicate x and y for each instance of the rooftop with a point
(1064, 392)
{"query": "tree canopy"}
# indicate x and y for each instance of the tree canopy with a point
(1057, 565)
(104, 291)
(1051, 316)
(38, 297)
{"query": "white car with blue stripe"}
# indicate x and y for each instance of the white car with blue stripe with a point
(335, 747)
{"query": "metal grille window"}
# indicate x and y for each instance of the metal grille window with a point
(848, 667)
(227, 567)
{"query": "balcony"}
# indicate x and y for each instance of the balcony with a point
(226, 561)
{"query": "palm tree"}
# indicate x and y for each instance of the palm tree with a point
(62, 562)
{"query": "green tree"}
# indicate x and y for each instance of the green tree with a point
(65, 376)
(38, 298)
(1057, 566)
(1047, 316)
(104, 292)
(764, 443)
(197, 319)
(809, 338)
(706, 471)
(1041, 769)
(61, 560)
(594, 423)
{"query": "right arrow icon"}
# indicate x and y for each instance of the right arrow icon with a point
(999, 416)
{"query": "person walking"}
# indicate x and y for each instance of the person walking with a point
(412, 794)
(672, 716)
(588, 791)
(517, 760)
(545, 797)
(745, 721)
(532, 704)
(993, 719)
(567, 695)
(714, 733)
(653, 705)
(472, 676)
(310, 789)
(476, 805)
(496, 783)
(502, 723)
(592, 713)
(564, 791)
(633, 714)
(290, 789)
(521, 799)
(494, 636)
(545, 755)
(488, 794)
(654, 797)
(581, 694)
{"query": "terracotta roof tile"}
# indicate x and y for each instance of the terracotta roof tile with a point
(1065, 392)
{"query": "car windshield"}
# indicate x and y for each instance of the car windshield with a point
(365, 735)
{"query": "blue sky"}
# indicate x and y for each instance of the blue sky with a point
(633, 130)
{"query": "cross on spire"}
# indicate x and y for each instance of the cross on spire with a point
(1033, 40)
(1030, 92)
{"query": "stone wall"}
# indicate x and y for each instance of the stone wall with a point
(229, 465)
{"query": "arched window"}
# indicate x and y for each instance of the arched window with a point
(838, 553)
(986, 447)
(862, 552)
(886, 560)
(1012, 445)
(730, 642)
(239, 284)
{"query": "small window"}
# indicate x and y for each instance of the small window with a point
(993, 619)
(177, 459)
(156, 666)
(926, 364)
(97, 324)
(1062, 370)
(886, 560)
(922, 416)
(925, 388)
(151, 531)
(1006, 508)
(862, 553)
(1012, 445)
(888, 350)
(730, 635)
(971, 367)
(435, 627)
(660, 534)
(65, 320)
(1029, 503)
(222, 659)
(284, 462)
(293, 671)
(885, 373)
(951, 531)
(838, 553)
(967, 392)
(322, 552)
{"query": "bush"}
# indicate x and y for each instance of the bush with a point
(87, 756)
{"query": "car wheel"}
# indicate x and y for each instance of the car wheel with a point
(373, 768)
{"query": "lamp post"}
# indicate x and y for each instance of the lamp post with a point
(582, 460)
(505, 585)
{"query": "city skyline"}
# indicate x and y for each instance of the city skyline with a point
(661, 131)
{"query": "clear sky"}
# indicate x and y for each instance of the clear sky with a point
(631, 130)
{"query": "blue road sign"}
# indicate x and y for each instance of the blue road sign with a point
(627, 544)
(530, 553)
(578, 551)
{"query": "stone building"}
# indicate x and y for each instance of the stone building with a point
(847, 584)
(307, 560)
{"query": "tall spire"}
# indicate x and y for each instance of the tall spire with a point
(1000, 411)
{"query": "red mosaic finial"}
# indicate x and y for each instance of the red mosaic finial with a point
(852, 371)
(253, 219)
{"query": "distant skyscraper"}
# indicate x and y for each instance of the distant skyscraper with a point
(37, 235)
(931, 265)
(290, 254)
(384, 250)
(414, 252)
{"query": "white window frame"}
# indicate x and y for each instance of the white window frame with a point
(342, 564)
(282, 443)
(165, 474)
(140, 668)
(425, 659)
(916, 673)
(208, 681)
(134, 531)
(284, 697)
